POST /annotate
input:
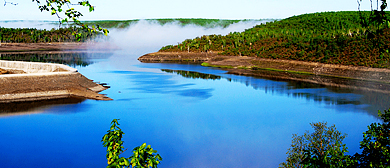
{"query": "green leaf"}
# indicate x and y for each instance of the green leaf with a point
(53, 11)
(64, 20)
(127, 163)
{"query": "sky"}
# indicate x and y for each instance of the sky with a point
(213, 9)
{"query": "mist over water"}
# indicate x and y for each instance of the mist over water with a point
(146, 33)
(151, 34)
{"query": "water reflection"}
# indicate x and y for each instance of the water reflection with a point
(368, 101)
(193, 75)
(32, 107)
(73, 59)
(157, 83)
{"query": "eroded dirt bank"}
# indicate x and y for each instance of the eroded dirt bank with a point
(31, 87)
(16, 88)
(355, 77)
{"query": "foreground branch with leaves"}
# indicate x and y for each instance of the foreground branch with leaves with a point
(65, 12)
(143, 156)
(376, 144)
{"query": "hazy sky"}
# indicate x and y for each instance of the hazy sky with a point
(218, 9)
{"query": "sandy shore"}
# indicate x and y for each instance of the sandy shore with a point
(354, 77)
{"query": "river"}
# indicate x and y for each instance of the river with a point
(193, 116)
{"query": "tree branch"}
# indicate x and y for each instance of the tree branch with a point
(56, 8)
(11, 3)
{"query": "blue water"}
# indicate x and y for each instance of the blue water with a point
(233, 121)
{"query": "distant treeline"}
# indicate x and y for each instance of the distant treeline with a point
(207, 23)
(32, 35)
(328, 37)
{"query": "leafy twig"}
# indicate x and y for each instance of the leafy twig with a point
(56, 8)
(11, 3)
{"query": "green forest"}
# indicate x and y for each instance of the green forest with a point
(326, 37)
(32, 35)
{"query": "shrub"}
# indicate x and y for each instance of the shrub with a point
(143, 156)
(322, 148)
(376, 144)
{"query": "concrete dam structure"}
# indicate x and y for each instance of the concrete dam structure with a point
(31, 81)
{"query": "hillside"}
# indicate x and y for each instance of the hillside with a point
(327, 37)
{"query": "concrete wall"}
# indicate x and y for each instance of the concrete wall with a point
(35, 67)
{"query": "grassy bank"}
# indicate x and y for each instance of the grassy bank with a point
(327, 37)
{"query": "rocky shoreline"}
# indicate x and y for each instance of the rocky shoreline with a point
(354, 77)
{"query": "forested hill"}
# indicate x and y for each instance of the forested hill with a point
(327, 37)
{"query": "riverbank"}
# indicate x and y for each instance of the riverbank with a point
(354, 77)
(26, 81)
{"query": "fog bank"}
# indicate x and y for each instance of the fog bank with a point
(153, 35)
(146, 33)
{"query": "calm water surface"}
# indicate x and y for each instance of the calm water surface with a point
(223, 121)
